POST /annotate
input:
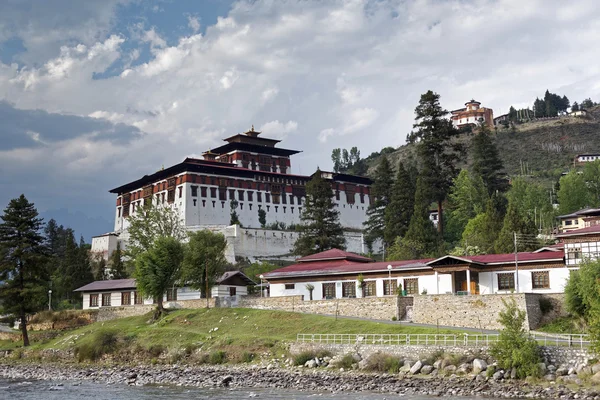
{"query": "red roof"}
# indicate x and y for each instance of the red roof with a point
(522, 257)
(334, 254)
(583, 231)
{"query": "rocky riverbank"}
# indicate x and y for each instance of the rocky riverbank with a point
(256, 376)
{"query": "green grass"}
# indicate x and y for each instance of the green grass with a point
(563, 325)
(239, 331)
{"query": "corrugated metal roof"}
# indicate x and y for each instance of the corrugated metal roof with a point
(582, 231)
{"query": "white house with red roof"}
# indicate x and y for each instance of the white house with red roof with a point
(581, 244)
(338, 274)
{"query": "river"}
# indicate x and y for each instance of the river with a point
(69, 390)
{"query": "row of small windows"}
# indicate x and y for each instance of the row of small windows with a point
(106, 299)
(539, 280)
(369, 288)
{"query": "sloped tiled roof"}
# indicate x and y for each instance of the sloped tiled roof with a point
(334, 254)
(112, 284)
(594, 229)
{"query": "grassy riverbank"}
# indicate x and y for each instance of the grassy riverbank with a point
(236, 332)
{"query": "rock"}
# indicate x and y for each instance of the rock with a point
(406, 367)
(543, 368)
(357, 358)
(498, 375)
(480, 378)
(595, 368)
(317, 361)
(226, 380)
(416, 367)
(449, 369)
(513, 373)
(479, 365)
(464, 368)
(438, 364)
(561, 371)
(550, 377)
(596, 377)
(551, 368)
(426, 369)
(310, 364)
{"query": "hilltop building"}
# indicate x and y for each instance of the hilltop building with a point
(254, 172)
(472, 115)
(583, 218)
(586, 158)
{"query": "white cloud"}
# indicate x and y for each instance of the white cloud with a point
(194, 23)
(278, 130)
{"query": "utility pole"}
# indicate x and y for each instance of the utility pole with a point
(516, 262)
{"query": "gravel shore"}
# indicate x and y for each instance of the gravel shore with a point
(238, 376)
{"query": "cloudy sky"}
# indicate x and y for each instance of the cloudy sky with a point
(94, 94)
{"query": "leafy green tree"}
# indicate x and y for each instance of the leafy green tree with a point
(348, 162)
(204, 261)
(320, 229)
(515, 348)
(512, 114)
(234, 218)
(467, 198)
(421, 239)
(573, 193)
(116, 264)
(482, 230)
(149, 223)
(587, 104)
(381, 193)
(487, 162)
(591, 175)
(22, 261)
(262, 217)
(575, 107)
(532, 200)
(401, 206)
(158, 269)
(438, 153)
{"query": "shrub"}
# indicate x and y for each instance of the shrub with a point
(217, 357)
(302, 358)
(156, 350)
(102, 342)
(433, 357)
(515, 348)
(381, 362)
(247, 357)
(346, 361)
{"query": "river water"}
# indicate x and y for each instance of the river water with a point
(70, 390)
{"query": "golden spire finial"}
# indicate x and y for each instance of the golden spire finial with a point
(252, 130)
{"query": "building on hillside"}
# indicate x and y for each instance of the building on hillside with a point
(579, 219)
(581, 244)
(338, 274)
(586, 158)
(578, 113)
(472, 115)
(501, 120)
(123, 292)
(255, 173)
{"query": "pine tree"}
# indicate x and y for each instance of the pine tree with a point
(482, 230)
(320, 229)
(22, 261)
(539, 108)
(487, 162)
(575, 107)
(523, 225)
(116, 264)
(381, 193)
(401, 207)
(468, 197)
(421, 239)
(437, 153)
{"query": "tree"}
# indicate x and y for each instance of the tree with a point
(587, 104)
(22, 261)
(320, 229)
(421, 239)
(539, 108)
(348, 162)
(158, 269)
(575, 107)
(234, 219)
(573, 193)
(515, 348)
(467, 198)
(437, 152)
(516, 222)
(487, 162)
(381, 193)
(591, 176)
(482, 230)
(512, 114)
(204, 260)
(149, 223)
(262, 217)
(402, 204)
(116, 265)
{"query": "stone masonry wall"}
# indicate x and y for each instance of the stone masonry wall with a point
(555, 355)
(110, 313)
(369, 307)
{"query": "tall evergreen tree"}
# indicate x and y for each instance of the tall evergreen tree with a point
(575, 106)
(521, 224)
(22, 261)
(468, 197)
(437, 152)
(401, 207)
(487, 162)
(482, 230)
(421, 239)
(539, 108)
(116, 264)
(381, 193)
(320, 229)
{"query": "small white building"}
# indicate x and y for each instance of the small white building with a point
(338, 274)
(581, 244)
(123, 292)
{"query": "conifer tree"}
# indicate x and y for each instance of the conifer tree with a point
(467, 198)
(521, 224)
(421, 239)
(320, 229)
(482, 230)
(437, 152)
(381, 193)
(487, 162)
(22, 261)
(116, 264)
(401, 207)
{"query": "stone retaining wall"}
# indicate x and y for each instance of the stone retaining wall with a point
(369, 307)
(14, 337)
(555, 355)
(110, 313)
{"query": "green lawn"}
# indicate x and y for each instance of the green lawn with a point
(217, 329)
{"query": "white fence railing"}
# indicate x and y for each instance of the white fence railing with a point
(465, 339)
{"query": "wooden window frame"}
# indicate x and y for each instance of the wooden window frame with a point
(172, 294)
(125, 298)
(386, 287)
(106, 299)
(290, 286)
(349, 289)
(137, 298)
(411, 285)
(370, 289)
(506, 281)
(328, 290)
(94, 300)
(540, 279)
